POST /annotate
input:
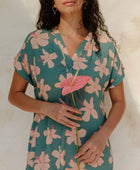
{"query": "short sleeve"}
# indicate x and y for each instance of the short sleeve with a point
(21, 61)
(117, 68)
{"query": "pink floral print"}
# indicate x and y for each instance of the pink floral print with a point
(102, 106)
(79, 62)
(98, 163)
(39, 38)
(38, 117)
(101, 67)
(89, 110)
(26, 64)
(30, 156)
(34, 134)
(50, 135)
(120, 72)
(35, 70)
(74, 166)
(89, 47)
(60, 157)
(63, 49)
(94, 86)
(72, 135)
(42, 162)
(110, 159)
(103, 38)
(47, 58)
(62, 79)
(105, 85)
(43, 89)
(42, 54)
(17, 64)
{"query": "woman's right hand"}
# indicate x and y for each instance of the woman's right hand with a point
(61, 112)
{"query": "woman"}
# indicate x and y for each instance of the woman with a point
(67, 38)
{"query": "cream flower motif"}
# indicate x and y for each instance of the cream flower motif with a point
(35, 69)
(113, 62)
(54, 30)
(89, 47)
(120, 69)
(98, 163)
(50, 133)
(23, 46)
(79, 62)
(101, 67)
(112, 80)
(102, 106)
(34, 134)
(39, 39)
(63, 49)
(30, 156)
(110, 159)
(72, 135)
(47, 58)
(62, 79)
(59, 156)
(38, 117)
(43, 89)
(42, 162)
(26, 64)
(105, 85)
(94, 87)
(74, 166)
(63, 62)
(89, 110)
(17, 64)
(103, 38)
(111, 53)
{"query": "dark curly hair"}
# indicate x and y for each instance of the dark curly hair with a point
(92, 17)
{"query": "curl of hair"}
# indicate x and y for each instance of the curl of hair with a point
(92, 18)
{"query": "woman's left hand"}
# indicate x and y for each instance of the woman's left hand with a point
(90, 152)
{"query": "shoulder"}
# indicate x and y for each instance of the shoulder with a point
(39, 34)
(106, 43)
(38, 37)
(102, 38)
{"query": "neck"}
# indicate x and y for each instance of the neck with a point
(72, 26)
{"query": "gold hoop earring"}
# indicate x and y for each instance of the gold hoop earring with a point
(54, 10)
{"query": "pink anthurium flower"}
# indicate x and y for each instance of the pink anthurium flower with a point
(79, 82)
(72, 84)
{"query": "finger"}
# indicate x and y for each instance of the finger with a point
(73, 109)
(95, 160)
(66, 124)
(90, 158)
(73, 116)
(82, 150)
(69, 122)
(86, 155)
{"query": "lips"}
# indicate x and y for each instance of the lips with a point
(68, 2)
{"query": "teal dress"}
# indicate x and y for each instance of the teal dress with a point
(44, 62)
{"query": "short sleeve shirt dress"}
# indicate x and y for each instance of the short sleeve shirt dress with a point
(44, 62)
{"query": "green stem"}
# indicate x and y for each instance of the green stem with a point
(76, 130)
(74, 77)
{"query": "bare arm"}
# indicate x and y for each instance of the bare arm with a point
(116, 111)
(56, 111)
(18, 97)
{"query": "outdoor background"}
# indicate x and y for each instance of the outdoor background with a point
(17, 19)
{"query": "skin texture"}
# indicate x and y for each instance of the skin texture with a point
(72, 30)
